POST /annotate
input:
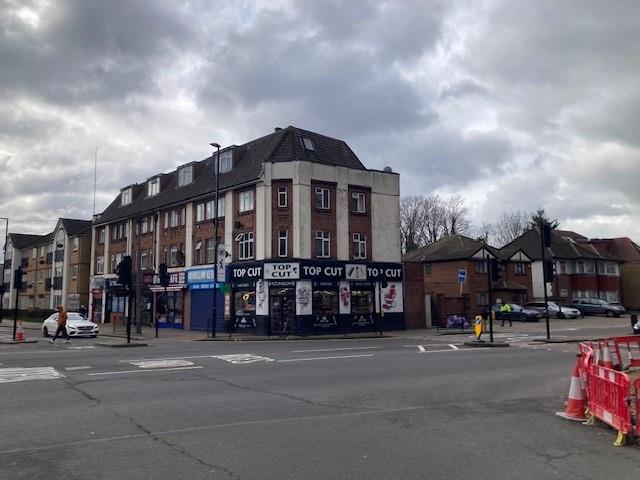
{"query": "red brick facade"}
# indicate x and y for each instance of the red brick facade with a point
(282, 216)
(244, 222)
(359, 222)
(324, 220)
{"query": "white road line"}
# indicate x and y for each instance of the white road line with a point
(334, 349)
(243, 358)
(83, 367)
(146, 371)
(458, 350)
(8, 375)
(325, 358)
(432, 344)
(453, 347)
(165, 358)
(162, 363)
(421, 348)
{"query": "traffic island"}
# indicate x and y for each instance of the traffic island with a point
(485, 344)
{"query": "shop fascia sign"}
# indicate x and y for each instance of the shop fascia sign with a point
(175, 278)
(310, 270)
(282, 271)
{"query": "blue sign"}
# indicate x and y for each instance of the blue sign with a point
(462, 276)
(201, 278)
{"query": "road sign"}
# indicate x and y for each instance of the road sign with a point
(477, 328)
(462, 276)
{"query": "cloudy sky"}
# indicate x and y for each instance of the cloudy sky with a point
(513, 104)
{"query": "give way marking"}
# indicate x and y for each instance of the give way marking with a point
(243, 358)
(170, 363)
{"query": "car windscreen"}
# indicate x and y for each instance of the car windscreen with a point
(74, 317)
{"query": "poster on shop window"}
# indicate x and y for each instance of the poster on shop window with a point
(262, 298)
(391, 298)
(344, 298)
(303, 297)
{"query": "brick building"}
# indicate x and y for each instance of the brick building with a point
(433, 280)
(306, 233)
(581, 270)
(55, 267)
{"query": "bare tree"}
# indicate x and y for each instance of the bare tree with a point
(510, 226)
(434, 219)
(485, 232)
(456, 217)
(539, 216)
(411, 222)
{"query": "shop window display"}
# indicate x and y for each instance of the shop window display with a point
(245, 309)
(325, 309)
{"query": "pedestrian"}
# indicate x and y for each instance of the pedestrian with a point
(505, 313)
(62, 325)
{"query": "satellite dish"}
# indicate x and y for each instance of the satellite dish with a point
(387, 169)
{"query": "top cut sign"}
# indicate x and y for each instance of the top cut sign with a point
(282, 271)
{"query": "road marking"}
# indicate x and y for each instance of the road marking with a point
(147, 371)
(453, 347)
(161, 363)
(87, 347)
(166, 358)
(325, 358)
(334, 349)
(243, 358)
(421, 348)
(83, 367)
(8, 375)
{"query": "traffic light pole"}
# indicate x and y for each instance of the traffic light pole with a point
(544, 277)
(489, 289)
(129, 314)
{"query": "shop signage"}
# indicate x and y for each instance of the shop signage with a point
(202, 275)
(97, 283)
(281, 271)
(175, 278)
(356, 271)
(249, 271)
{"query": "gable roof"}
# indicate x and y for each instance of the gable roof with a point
(622, 247)
(74, 226)
(563, 246)
(453, 247)
(24, 240)
(283, 145)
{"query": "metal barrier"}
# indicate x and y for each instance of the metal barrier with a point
(608, 398)
(632, 347)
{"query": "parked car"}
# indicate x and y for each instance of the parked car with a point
(77, 326)
(555, 310)
(595, 306)
(517, 313)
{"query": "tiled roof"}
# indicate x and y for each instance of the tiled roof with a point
(74, 226)
(562, 246)
(280, 146)
(23, 240)
(453, 247)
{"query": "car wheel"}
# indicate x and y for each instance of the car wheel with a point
(610, 313)
(45, 332)
(561, 315)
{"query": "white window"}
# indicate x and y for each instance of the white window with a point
(220, 207)
(359, 246)
(211, 248)
(323, 244)
(358, 202)
(245, 245)
(34, 252)
(166, 219)
(282, 242)
(562, 266)
(307, 143)
(246, 201)
(125, 196)
(153, 187)
(41, 252)
(144, 225)
(99, 265)
(226, 161)
(101, 236)
(322, 198)
(520, 268)
(113, 263)
(76, 243)
(144, 261)
(185, 175)
(176, 218)
(200, 212)
(173, 256)
(282, 197)
(74, 271)
(482, 299)
(589, 267)
(210, 206)
(611, 269)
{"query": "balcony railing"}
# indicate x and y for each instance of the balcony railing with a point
(57, 283)
(59, 256)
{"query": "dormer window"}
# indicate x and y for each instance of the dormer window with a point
(185, 175)
(226, 161)
(153, 187)
(307, 143)
(125, 196)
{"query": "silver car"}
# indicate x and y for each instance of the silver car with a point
(555, 310)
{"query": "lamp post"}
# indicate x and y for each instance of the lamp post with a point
(4, 261)
(215, 240)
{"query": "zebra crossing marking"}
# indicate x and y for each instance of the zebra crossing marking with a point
(9, 375)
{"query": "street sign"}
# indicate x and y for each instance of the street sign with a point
(477, 328)
(462, 276)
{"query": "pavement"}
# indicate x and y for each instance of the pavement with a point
(412, 404)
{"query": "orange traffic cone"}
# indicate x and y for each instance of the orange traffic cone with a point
(576, 402)
(20, 333)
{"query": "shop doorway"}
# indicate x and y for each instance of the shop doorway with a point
(282, 311)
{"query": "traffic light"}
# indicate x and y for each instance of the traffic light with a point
(124, 271)
(17, 278)
(496, 269)
(164, 275)
(546, 234)
(549, 270)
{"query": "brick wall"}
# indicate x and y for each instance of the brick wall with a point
(324, 220)
(281, 217)
(246, 220)
(203, 231)
(414, 313)
(630, 284)
(171, 236)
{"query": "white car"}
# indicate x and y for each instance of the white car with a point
(77, 326)
(555, 310)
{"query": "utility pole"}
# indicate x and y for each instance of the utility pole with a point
(490, 293)
(215, 241)
(4, 266)
(545, 241)
(138, 258)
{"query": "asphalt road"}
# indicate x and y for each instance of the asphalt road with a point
(413, 406)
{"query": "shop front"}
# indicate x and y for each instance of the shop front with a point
(316, 297)
(200, 287)
(169, 301)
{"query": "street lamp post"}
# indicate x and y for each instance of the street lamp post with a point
(215, 240)
(4, 262)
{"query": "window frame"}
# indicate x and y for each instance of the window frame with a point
(283, 192)
(126, 196)
(359, 243)
(355, 202)
(481, 267)
(283, 240)
(321, 194)
(246, 197)
(323, 238)
(185, 175)
(519, 268)
(246, 246)
(100, 265)
(153, 187)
